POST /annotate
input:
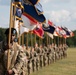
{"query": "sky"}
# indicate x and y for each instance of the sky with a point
(60, 12)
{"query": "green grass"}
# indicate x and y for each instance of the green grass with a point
(66, 66)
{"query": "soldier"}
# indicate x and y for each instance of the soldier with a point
(56, 52)
(37, 49)
(45, 59)
(49, 54)
(41, 56)
(65, 50)
(33, 59)
(53, 52)
(16, 56)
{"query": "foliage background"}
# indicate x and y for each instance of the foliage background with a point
(71, 42)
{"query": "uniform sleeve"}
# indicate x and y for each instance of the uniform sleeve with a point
(1, 50)
(19, 61)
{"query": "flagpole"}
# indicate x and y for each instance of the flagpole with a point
(22, 39)
(47, 39)
(58, 41)
(35, 38)
(39, 41)
(14, 8)
(27, 41)
(19, 39)
(54, 40)
(10, 24)
(31, 41)
(65, 40)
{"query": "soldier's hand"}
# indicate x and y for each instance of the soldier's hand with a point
(7, 47)
(10, 72)
(10, 46)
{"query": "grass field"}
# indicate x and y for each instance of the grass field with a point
(65, 66)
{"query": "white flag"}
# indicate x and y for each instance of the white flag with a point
(23, 29)
(50, 35)
(28, 23)
(16, 26)
(55, 33)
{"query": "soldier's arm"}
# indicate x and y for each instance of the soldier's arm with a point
(1, 50)
(19, 61)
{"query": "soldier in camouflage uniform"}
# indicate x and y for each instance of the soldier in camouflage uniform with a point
(65, 50)
(17, 56)
(45, 59)
(49, 54)
(41, 56)
(33, 59)
(60, 51)
(53, 52)
(27, 63)
(37, 49)
(56, 52)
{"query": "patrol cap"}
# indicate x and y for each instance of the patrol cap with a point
(13, 31)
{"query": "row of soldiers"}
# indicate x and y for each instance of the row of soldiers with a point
(42, 55)
(20, 61)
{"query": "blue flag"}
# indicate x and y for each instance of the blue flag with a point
(34, 1)
(30, 11)
(66, 30)
(17, 12)
(49, 29)
(18, 3)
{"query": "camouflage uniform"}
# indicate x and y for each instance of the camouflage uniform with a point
(45, 55)
(27, 62)
(65, 50)
(60, 51)
(41, 56)
(53, 53)
(17, 65)
(49, 54)
(56, 52)
(33, 59)
(37, 49)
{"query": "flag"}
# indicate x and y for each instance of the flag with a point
(58, 31)
(17, 3)
(16, 26)
(34, 1)
(18, 13)
(72, 34)
(67, 31)
(49, 29)
(50, 23)
(38, 8)
(30, 24)
(55, 33)
(20, 28)
(70, 31)
(50, 35)
(23, 30)
(32, 14)
(39, 31)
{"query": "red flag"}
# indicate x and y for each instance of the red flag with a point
(50, 23)
(72, 34)
(39, 31)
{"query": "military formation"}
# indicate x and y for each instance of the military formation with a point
(23, 61)
(41, 56)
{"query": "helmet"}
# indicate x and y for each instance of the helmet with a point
(13, 31)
